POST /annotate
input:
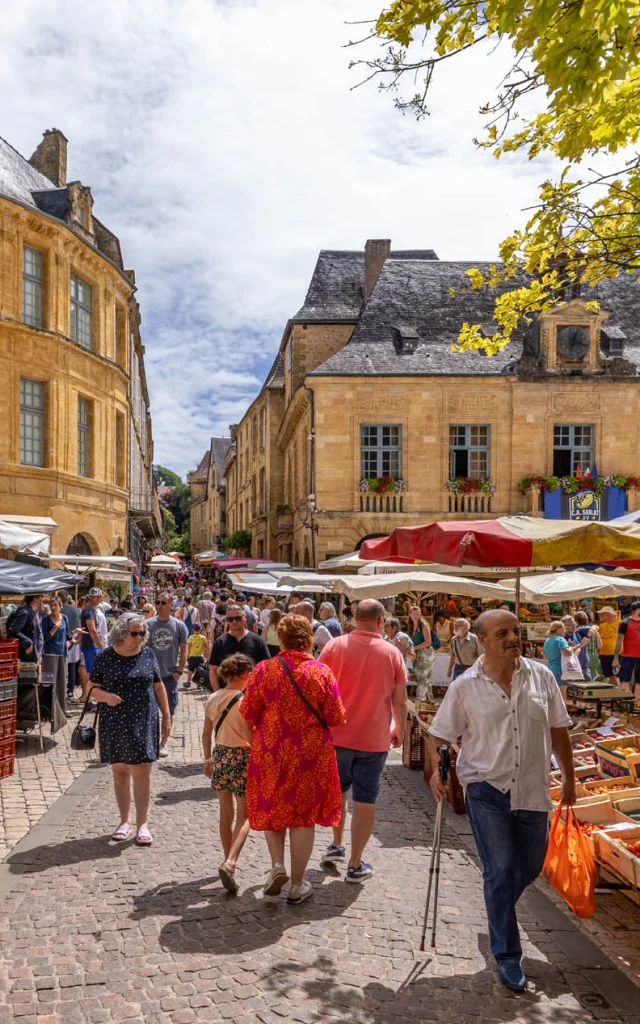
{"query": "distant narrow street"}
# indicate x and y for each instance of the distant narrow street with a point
(95, 932)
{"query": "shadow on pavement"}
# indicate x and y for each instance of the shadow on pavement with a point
(72, 851)
(208, 918)
(426, 996)
(173, 796)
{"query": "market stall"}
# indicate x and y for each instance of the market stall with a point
(606, 750)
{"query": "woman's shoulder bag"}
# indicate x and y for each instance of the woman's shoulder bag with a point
(310, 706)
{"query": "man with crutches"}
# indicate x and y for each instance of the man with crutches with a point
(508, 715)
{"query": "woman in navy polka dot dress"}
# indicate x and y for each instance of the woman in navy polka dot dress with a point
(127, 684)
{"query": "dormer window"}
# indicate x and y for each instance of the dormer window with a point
(406, 339)
(612, 340)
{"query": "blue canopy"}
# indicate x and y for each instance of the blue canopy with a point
(23, 578)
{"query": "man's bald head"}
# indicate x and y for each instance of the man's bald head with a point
(368, 613)
(494, 619)
(304, 608)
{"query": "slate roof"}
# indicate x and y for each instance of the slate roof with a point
(202, 472)
(18, 179)
(412, 297)
(336, 290)
(275, 377)
(219, 450)
(23, 183)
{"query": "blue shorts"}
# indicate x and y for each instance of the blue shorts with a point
(89, 656)
(361, 769)
(171, 687)
(629, 670)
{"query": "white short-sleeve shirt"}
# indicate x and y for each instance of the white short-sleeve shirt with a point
(505, 740)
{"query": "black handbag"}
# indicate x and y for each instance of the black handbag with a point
(83, 737)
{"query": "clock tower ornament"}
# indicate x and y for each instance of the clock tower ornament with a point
(572, 343)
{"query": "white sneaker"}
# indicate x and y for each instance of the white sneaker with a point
(298, 893)
(276, 880)
(164, 751)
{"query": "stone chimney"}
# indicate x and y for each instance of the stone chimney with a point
(50, 158)
(376, 252)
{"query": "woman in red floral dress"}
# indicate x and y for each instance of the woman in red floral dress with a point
(293, 778)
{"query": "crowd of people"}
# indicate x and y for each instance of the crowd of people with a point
(305, 706)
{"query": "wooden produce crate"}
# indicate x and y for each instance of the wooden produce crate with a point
(615, 789)
(610, 852)
(412, 746)
(616, 764)
(629, 806)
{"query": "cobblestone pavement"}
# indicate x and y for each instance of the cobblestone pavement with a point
(97, 932)
(40, 777)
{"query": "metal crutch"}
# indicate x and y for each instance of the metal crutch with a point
(444, 765)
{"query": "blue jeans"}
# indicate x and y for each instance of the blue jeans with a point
(458, 670)
(512, 847)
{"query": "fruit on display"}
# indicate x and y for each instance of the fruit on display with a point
(585, 760)
(627, 751)
(632, 845)
(588, 829)
(582, 745)
(608, 789)
(592, 778)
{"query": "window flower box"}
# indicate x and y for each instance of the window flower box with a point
(470, 485)
(382, 485)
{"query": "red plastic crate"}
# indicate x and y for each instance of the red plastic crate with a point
(412, 747)
(7, 727)
(8, 709)
(8, 669)
(7, 747)
(8, 650)
(427, 770)
(6, 766)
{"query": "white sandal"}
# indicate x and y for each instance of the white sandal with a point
(143, 836)
(122, 833)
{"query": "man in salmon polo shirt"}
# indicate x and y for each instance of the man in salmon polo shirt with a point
(372, 679)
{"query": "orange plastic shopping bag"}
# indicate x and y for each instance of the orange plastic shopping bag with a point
(569, 865)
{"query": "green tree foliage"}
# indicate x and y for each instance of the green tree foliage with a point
(239, 541)
(579, 60)
(166, 477)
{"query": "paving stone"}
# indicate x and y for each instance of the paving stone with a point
(101, 933)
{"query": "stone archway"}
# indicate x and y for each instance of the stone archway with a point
(82, 544)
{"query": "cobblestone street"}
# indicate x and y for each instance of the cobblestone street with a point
(91, 931)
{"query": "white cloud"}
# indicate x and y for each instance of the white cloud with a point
(225, 146)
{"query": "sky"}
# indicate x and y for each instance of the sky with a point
(225, 144)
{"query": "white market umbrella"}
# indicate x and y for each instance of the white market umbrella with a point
(574, 584)
(17, 538)
(266, 583)
(359, 587)
(163, 562)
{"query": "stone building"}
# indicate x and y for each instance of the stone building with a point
(382, 425)
(208, 497)
(76, 450)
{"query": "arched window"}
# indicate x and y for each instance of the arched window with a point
(79, 545)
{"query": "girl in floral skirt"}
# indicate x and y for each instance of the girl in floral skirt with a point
(227, 765)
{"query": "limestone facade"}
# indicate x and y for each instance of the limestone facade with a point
(77, 443)
(367, 377)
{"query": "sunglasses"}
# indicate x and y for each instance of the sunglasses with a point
(164, 602)
(234, 618)
(136, 632)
